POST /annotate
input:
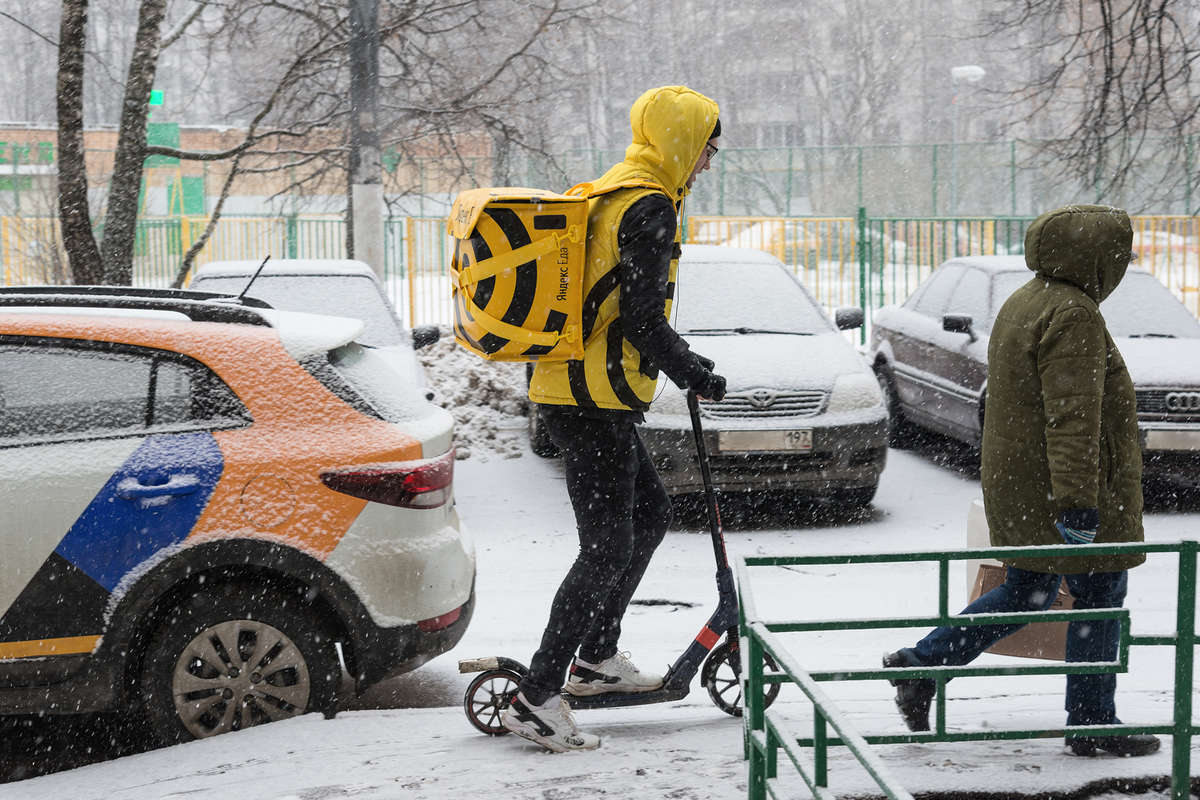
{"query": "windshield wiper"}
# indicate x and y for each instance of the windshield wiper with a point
(747, 330)
(1152, 336)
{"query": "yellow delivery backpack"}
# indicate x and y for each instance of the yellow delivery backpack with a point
(517, 271)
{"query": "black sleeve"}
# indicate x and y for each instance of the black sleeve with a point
(646, 238)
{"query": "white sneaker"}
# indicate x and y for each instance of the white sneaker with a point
(614, 674)
(550, 724)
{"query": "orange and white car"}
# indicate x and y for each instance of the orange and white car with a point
(205, 502)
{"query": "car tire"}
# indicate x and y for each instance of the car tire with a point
(233, 656)
(539, 437)
(899, 430)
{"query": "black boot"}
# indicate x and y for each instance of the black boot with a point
(1127, 746)
(914, 695)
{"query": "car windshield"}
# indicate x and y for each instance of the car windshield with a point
(740, 297)
(353, 296)
(1140, 307)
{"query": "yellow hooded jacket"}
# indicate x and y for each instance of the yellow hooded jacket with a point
(670, 128)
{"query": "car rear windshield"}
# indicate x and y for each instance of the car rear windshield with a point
(367, 380)
(731, 295)
(1140, 307)
(355, 296)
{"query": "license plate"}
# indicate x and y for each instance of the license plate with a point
(742, 441)
(1173, 440)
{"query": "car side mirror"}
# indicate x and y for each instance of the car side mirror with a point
(425, 335)
(959, 323)
(848, 317)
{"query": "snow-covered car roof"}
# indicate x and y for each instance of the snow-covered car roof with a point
(302, 334)
(990, 263)
(997, 264)
(712, 253)
(288, 266)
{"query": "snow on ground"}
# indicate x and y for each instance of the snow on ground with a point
(409, 738)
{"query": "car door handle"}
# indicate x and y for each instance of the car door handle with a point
(132, 488)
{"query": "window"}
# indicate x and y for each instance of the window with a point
(51, 391)
(934, 298)
(971, 297)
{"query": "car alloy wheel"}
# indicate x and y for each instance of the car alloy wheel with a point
(226, 663)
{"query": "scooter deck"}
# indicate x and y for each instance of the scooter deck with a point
(618, 699)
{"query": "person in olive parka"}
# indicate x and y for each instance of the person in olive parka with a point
(1060, 463)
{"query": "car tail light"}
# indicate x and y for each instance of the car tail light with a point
(438, 623)
(409, 484)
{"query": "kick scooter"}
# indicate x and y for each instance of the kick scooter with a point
(490, 692)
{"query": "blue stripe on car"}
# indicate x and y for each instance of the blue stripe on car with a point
(151, 502)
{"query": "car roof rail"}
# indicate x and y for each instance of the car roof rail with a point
(197, 306)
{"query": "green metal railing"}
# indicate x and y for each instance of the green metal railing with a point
(866, 260)
(767, 731)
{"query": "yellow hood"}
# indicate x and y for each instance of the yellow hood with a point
(670, 126)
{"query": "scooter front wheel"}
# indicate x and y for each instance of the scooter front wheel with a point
(488, 694)
(721, 675)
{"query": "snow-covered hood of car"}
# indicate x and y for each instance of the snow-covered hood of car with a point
(779, 361)
(1161, 362)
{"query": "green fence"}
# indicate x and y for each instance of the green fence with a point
(866, 260)
(1013, 177)
(1007, 178)
(768, 731)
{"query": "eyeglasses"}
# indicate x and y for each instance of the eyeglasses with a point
(710, 151)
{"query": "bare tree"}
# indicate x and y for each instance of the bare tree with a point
(82, 253)
(1112, 82)
(439, 86)
(112, 262)
(120, 221)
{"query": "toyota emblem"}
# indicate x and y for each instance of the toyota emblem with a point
(1183, 401)
(761, 398)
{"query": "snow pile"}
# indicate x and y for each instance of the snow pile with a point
(487, 398)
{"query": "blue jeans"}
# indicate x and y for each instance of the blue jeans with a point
(1089, 697)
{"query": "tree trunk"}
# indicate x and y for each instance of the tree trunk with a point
(366, 172)
(120, 223)
(74, 216)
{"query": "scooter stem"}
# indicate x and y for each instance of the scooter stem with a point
(710, 494)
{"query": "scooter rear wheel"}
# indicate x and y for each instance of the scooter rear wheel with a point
(488, 694)
(721, 675)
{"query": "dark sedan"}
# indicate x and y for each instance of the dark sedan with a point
(930, 357)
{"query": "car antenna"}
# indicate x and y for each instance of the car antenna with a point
(253, 277)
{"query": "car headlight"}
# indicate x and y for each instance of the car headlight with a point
(854, 391)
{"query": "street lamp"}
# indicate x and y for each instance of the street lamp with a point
(970, 73)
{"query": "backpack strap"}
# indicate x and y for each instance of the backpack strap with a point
(515, 258)
(589, 190)
(513, 333)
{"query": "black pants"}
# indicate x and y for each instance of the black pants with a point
(622, 512)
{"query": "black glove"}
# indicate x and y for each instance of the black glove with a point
(710, 386)
(707, 363)
(1078, 525)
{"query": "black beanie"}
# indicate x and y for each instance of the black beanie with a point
(716, 130)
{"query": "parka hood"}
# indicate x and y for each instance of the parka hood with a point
(670, 127)
(1087, 246)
